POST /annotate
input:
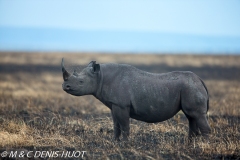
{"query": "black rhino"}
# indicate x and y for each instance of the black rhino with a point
(132, 93)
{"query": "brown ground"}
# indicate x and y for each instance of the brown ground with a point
(36, 114)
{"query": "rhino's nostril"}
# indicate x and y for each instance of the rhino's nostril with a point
(67, 87)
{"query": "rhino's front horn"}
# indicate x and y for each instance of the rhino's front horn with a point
(64, 71)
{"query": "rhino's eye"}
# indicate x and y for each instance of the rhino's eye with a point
(81, 81)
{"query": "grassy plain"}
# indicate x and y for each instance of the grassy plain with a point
(36, 114)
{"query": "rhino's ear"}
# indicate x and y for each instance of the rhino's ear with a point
(91, 64)
(95, 67)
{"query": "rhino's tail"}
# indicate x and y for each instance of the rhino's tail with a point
(207, 93)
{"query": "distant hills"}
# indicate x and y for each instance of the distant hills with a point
(49, 39)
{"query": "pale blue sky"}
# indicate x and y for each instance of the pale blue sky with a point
(203, 17)
(214, 17)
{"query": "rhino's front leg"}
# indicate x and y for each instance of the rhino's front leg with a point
(121, 115)
(117, 129)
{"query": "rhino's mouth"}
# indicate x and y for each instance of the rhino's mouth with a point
(71, 91)
(68, 90)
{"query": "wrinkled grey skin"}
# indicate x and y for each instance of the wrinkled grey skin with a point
(133, 93)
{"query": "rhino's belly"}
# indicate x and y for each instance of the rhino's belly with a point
(153, 110)
(154, 115)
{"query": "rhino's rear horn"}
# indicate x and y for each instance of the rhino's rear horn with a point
(64, 71)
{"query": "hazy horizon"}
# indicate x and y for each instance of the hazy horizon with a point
(50, 39)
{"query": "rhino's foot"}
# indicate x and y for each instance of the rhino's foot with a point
(199, 138)
(205, 138)
(125, 139)
(116, 139)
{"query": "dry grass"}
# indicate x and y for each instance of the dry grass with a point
(35, 114)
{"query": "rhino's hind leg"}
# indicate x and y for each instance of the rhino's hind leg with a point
(194, 102)
(193, 128)
(203, 125)
(198, 123)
